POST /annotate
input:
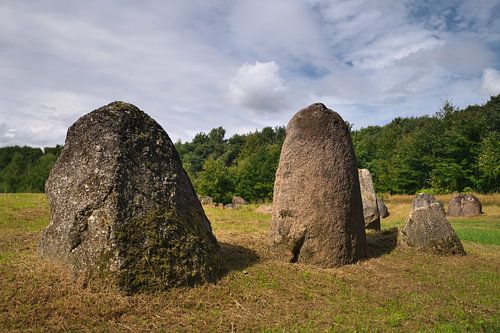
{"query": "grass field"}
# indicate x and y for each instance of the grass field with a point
(396, 289)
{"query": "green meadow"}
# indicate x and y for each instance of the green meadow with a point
(394, 290)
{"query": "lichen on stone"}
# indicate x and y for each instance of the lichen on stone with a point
(123, 206)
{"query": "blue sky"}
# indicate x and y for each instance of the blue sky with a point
(195, 65)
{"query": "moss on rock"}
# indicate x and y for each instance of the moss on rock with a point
(122, 205)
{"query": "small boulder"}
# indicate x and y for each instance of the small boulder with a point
(423, 200)
(317, 214)
(123, 206)
(382, 208)
(229, 206)
(427, 229)
(264, 209)
(239, 201)
(370, 208)
(464, 205)
(206, 200)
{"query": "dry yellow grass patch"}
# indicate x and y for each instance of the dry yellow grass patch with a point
(395, 290)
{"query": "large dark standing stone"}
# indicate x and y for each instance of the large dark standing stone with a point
(423, 200)
(427, 229)
(370, 208)
(464, 205)
(317, 214)
(383, 211)
(122, 205)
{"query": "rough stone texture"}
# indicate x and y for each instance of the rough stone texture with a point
(427, 229)
(382, 208)
(239, 201)
(122, 205)
(464, 205)
(370, 208)
(264, 209)
(423, 200)
(317, 213)
(207, 200)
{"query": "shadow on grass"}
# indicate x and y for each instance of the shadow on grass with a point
(381, 242)
(236, 257)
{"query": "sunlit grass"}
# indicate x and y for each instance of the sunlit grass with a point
(396, 290)
(484, 228)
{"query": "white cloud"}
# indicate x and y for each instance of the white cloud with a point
(266, 29)
(490, 83)
(181, 61)
(258, 87)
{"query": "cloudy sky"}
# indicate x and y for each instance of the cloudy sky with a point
(195, 65)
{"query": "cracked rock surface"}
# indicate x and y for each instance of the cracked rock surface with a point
(422, 200)
(428, 230)
(317, 215)
(121, 204)
(464, 205)
(369, 200)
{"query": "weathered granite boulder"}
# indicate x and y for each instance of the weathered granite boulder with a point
(423, 200)
(427, 229)
(317, 214)
(382, 208)
(464, 205)
(370, 208)
(206, 200)
(239, 201)
(122, 205)
(264, 209)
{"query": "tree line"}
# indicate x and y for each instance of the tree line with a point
(25, 169)
(454, 150)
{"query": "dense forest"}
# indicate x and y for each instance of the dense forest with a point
(25, 169)
(453, 151)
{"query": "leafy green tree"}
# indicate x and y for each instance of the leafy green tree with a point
(489, 161)
(215, 181)
(35, 177)
(453, 150)
(255, 171)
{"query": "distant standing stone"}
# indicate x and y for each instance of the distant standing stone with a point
(464, 205)
(122, 205)
(239, 201)
(423, 200)
(317, 214)
(206, 200)
(370, 208)
(382, 208)
(264, 209)
(427, 229)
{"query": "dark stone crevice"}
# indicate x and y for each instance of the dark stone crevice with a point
(296, 248)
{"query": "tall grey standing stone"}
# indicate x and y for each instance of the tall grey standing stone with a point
(317, 216)
(383, 211)
(464, 205)
(427, 229)
(370, 208)
(422, 200)
(122, 205)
